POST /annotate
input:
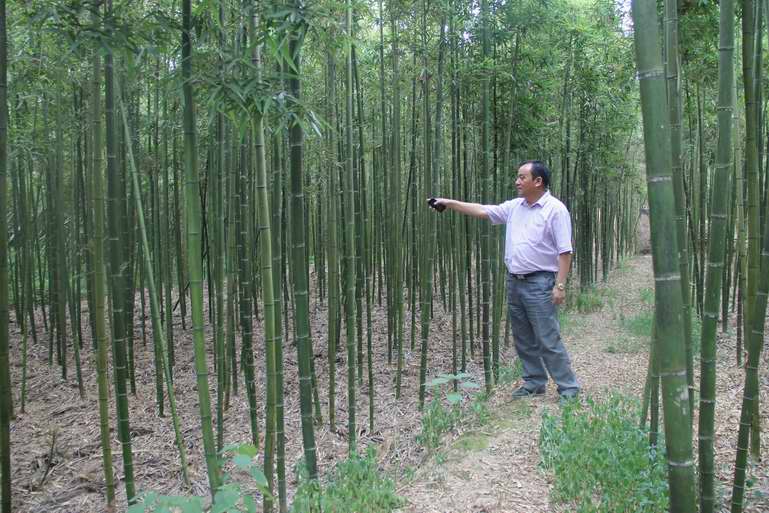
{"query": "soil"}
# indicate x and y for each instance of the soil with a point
(56, 455)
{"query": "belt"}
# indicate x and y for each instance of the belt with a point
(524, 277)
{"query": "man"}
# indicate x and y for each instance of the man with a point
(538, 257)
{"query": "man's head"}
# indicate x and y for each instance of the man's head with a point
(533, 178)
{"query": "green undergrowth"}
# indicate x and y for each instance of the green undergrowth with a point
(640, 326)
(229, 498)
(601, 460)
(591, 299)
(355, 485)
(457, 399)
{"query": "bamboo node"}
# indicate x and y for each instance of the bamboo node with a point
(673, 374)
(659, 179)
(681, 464)
(652, 73)
(668, 277)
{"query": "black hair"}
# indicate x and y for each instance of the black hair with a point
(538, 170)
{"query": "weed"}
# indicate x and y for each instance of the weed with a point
(230, 497)
(442, 416)
(511, 374)
(472, 442)
(601, 459)
(479, 407)
(355, 485)
(647, 296)
(588, 300)
(640, 325)
(437, 420)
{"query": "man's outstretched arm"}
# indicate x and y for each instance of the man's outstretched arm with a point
(470, 209)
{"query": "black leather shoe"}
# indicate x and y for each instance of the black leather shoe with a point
(523, 392)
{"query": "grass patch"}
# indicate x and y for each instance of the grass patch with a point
(472, 442)
(640, 325)
(519, 409)
(230, 496)
(510, 374)
(355, 485)
(437, 420)
(647, 296)
(589, 300)
(601, 459)
(564, 320)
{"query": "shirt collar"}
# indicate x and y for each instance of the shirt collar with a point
(541, 201)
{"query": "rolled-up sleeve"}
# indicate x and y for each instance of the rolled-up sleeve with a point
(498, 214)
(561, 224)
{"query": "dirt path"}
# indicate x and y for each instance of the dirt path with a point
(494, 468)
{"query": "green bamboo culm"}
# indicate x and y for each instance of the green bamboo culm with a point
(486, 180)
(674, 108)
(349, 239)
(671, 352)
(754, 343)
(100, 280)
(5, 372)
(118, 263)
(716, 253)
(297, 30)
(157, 325)
(395, 253)
(194, 261)
(264, 236)
(752, 79)
(332, 230)
(426, 263)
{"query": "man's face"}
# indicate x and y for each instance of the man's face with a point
(525, 183)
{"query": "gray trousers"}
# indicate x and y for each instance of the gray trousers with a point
(534, 322)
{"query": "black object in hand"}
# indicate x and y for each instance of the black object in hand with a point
(434, 204)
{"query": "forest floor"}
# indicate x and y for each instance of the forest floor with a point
(493, 467)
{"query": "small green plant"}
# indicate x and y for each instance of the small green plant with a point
(229, 498)
(647, 296)
(355, 485)
(480, 408)
(510, 374)
(588, 300)
(640, 325)
(601, 460)
(437, 418)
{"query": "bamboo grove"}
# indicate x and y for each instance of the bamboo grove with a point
(708, 215)
(237, 189)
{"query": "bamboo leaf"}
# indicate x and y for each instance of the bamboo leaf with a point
(242, 461)
(438, 381)
(454, 398)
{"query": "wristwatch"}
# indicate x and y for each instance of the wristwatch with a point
(560, 286)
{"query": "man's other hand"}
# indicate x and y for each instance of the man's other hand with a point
(558, 296)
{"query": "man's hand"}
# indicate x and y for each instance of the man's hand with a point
(437, 203)
(469, 209)
(558, 296)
